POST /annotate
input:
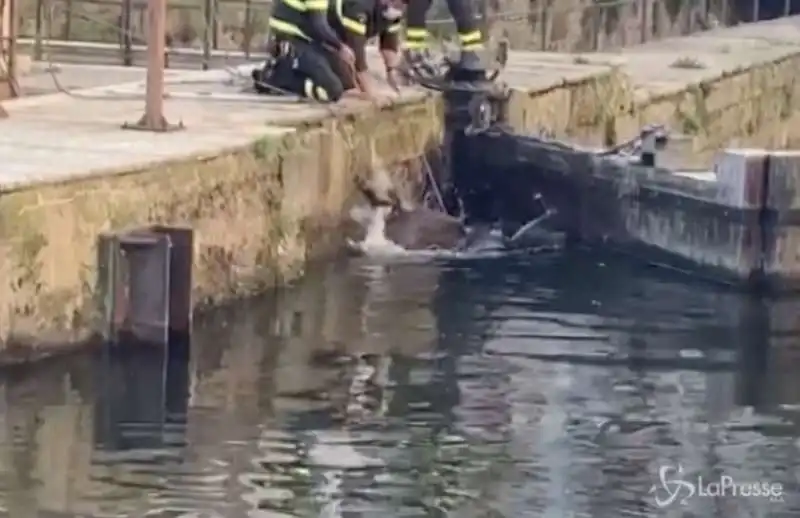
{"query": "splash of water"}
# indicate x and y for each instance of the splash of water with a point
(375, 243)
(480, 243)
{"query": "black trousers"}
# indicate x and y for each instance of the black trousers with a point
(306, 69)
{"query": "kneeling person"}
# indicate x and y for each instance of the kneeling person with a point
(355, 23)
(306, 54)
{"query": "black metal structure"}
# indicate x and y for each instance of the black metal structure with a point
(475, 103)
(145, 279)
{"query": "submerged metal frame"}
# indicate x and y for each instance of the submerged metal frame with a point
(144, 285)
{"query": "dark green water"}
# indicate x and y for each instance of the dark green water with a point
(552, 386)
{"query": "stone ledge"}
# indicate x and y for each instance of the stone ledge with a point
(247, 237)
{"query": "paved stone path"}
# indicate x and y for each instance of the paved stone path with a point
(64, 135)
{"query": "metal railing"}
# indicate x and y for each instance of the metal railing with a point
(8, 41)
(240, 25)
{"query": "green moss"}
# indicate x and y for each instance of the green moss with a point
(265, 147)
(688, 63)
(694, 118)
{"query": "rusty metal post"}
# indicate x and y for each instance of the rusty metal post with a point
(8, 49)
(126, 33)
(5, 89)
(67, 32)
(543, 21)
(643, 21)
(247, 39)
(153, 118)
(208, 31)
(38, 52)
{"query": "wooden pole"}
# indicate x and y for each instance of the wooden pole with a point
(153, 118)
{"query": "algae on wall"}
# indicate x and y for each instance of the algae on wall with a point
(256, 213)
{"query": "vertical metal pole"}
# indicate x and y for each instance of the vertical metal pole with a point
(68, 21)
(543, 6)
(602, 24)
(787, 7)
(153, 118)
(127, 37)
(208, 22)
(215, 26)
(704, 10)
(248, 29)
(11, 46)
(6, 78)
(38, 29)
(643, 21)
(156, 46)
(756, 13)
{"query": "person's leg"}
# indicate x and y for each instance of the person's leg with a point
(313, 69)
(277, 75)
(345, 73)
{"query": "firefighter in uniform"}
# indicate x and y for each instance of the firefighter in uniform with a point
(308, 58)
(358, 21)
(469, 35)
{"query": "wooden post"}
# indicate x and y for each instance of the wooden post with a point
(153, 118)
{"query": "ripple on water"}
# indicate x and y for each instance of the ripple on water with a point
(512, 388)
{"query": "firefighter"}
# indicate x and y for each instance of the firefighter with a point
(469, 37)
(358, 21)
(307, 56)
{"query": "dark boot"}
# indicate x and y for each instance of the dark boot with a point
(468, 68)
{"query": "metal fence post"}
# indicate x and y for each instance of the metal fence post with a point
(247, 36)
(756, 12)
(544, 5)
(38, 29)
(215, 25)
(643, 21)
(208, 29)
(127, 36)
(67, 33)
(153, 118)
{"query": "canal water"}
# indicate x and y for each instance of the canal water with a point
(555, 385)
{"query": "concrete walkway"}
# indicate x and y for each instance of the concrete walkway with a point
(77, 134)
(67, 135)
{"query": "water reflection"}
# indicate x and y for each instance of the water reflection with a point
(547, 386)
